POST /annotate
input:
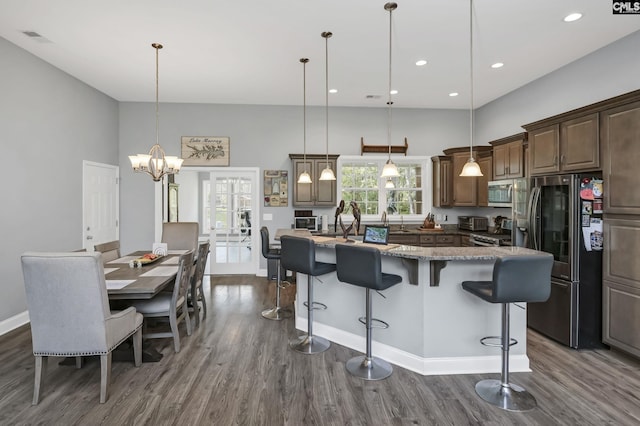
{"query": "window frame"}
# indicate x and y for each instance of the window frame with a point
(426, 189)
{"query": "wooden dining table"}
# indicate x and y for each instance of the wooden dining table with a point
(125, 282)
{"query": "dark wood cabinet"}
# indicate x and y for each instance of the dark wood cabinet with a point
(467, 189)
(485, 161)
(571, 145)
(620, 137)
(508, 157)
(425, 239)
(316, 193)
(442, 184)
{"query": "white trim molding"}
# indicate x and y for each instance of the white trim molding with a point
(14, 322)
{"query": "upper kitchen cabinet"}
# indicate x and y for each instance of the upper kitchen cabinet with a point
(319, 192)
(508, 157)
(442, 181)
(469, 191)
(485, 161)
(620, 137)
(564, 143)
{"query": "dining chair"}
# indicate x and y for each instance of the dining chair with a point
(180, 235)
(172, 305)
(110, 251)
(197, 289)
(70, 316)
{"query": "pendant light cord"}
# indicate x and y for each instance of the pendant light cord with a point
(471, 77)
(157, 46)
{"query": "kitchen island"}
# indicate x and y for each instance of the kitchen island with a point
(435, 328)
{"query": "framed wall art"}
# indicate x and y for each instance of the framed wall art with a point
(276, 188)
(205, 150)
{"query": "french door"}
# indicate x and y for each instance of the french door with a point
(233, 221)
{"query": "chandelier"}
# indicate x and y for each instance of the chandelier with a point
(156, 163)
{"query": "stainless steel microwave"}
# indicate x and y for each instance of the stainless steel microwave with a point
(306, 222)
(501, 193)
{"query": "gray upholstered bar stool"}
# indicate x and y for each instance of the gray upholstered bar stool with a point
(299, 255)
(515, 279)
(268, 252)
(361, 266)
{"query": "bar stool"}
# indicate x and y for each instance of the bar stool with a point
(361, 266)
(515, 279)
(276, 313)
(299, 255)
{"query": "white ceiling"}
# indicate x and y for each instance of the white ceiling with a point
(248, 51)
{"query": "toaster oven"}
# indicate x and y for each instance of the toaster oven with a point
(473, 223)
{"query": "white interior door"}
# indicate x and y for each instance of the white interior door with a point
(100, 204)
(233, 221)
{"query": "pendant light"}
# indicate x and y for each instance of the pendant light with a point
(327, 173)
(471, 168)
(304, 176)
(156, 163)
(389, 170)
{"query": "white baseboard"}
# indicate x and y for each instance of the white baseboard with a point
(261, 273)
(14, 322)
(415, 363)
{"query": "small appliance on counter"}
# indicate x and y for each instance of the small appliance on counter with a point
(473, 223)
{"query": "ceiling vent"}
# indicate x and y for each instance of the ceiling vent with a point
(32, 34)
(373, 97)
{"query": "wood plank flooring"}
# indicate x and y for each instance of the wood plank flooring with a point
(237, 369)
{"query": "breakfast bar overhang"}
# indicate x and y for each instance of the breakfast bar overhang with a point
(435, 328)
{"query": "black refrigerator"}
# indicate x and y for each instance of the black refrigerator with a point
(565, 219)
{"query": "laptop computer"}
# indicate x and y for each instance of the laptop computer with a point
(375, 234)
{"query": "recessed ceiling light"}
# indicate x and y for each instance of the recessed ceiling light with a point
(421, 62)
(572, 17)
(393, 92)
(497, 65)
(333, 90)
(452, 94)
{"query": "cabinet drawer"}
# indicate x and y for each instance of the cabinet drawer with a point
(411, 240)
(447, 240)
(427, 240)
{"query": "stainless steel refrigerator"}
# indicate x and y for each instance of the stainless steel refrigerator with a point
(558, 216)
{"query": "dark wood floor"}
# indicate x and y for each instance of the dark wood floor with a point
(237, 369)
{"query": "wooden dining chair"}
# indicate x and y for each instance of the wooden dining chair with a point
(70, 316)
(197, 291)
(110, 251)
(170, 305)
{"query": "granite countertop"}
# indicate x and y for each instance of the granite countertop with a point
(435, 253)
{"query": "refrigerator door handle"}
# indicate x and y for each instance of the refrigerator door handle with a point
(534, 199)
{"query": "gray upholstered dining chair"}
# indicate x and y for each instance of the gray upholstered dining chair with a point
(180, 235)
(110, 251)
(70, 315)
(197, 290)
(172, 305)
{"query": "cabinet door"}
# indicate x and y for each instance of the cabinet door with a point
(303, 192)
(621, 248)
(442, 187)
(579, 144)
(406, 239)
(515, 163)
(464, 188)
(620, 139)
(621, 310)
(325, 189)
(500, 162)
(427, 240)
(482, 188)
(544, 150)
(448, 241)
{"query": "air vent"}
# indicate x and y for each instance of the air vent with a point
(373, 97)
(31, 34)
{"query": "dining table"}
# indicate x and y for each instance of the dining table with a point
(125, 282)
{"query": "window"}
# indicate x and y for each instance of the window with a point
(360, 181)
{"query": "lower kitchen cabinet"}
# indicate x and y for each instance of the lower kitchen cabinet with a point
(425, 239)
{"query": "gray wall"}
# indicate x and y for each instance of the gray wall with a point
(60, 121)
(49, 123)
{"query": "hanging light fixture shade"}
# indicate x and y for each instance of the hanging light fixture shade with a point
(389, 184)
(389, 169)
(156, 163)
(471, 168)
(327, 173)
(304, 176)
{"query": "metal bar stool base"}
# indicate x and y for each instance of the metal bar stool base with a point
(276, 314)
(369, 368)
(309, 345)
(510, 398)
